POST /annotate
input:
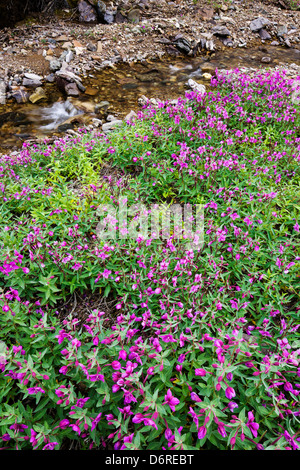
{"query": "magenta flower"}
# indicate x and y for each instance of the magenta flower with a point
(230, 393)
(200, 372)
(170, 400)
(202, 432)
(251, 424)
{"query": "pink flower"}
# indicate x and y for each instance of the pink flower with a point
(170, 400)
(230, 393)
(251, 424)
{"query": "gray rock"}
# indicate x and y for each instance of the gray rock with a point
(69, 57)
(21, 96)
(274, 43)
(102, 106)
(100, 9)
(50, 78)
(91, 47)
(183, 45)
(28, 82)
(71, 89)
(109, 17)
(264, 35)
(281, 30)
(221, 31)
(2, 92)
(196, 86)
(87, 13)
(266, 60)
(259, 23)
(54, 65)
(33, 76)
(111, 125)
(130, 116)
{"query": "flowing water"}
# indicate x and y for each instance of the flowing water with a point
(121, 86)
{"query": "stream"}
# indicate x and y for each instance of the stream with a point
(116, 91)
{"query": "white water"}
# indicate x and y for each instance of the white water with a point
(50, 118)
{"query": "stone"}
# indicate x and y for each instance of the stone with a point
(87, 13)
(20, 95)
(274, 43)
(130, 116)
(38, 95)
(183, 45)
(30, 83)
(2, 92)
(50, 78)
(264, 35)
(96, 122)
(71, 89)
(33, 76)
(206, 13)
(69, 57)
(54, 65)
(196, 86)
(91, 47)
(107, 126)
(134, 15)
(109, 17)
(100, 9)
(67, 45)
(207, 76)
(266, 60)
(221, 31)
(259, 23)
(91, 91)
(102, 106)
(281, 30)
(208, 68)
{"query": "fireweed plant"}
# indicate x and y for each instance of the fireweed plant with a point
(201, 350)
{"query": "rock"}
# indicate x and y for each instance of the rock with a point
(109, 17)
(2, 92)
(183, 45)
(206, 13)
(119, 18)
(207, 76)
(221, 31)
(38, 95)
(30, 83)
(259, 23)
(111, 118)
(50, 78)
(85, 106)
(209, 45)
(107, 126)
(91, 91)
(130, 116)
(91, 47)
(100, 9)
(87, 14)
(274, 43)
(102, 106)
(266, 60)
(287, 42)
(69, 56)
(281, 30)
(134, 15)
(20, 95)
(96, 122)
(208, 68)
(264, 35)
(54, 65)
(196, 86)
(33, 76)
(71, 89)
(227, 42)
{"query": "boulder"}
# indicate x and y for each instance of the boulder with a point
(259, 23)
(183, 45)
(54, 65)
(221, 31)
(107, 126)
(264, 35)
(87, 13)
(71, 89)
(2, 92)
(20, 95)
(38, 95)
(31, 83)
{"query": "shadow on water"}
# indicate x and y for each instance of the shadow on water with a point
(121, 86)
